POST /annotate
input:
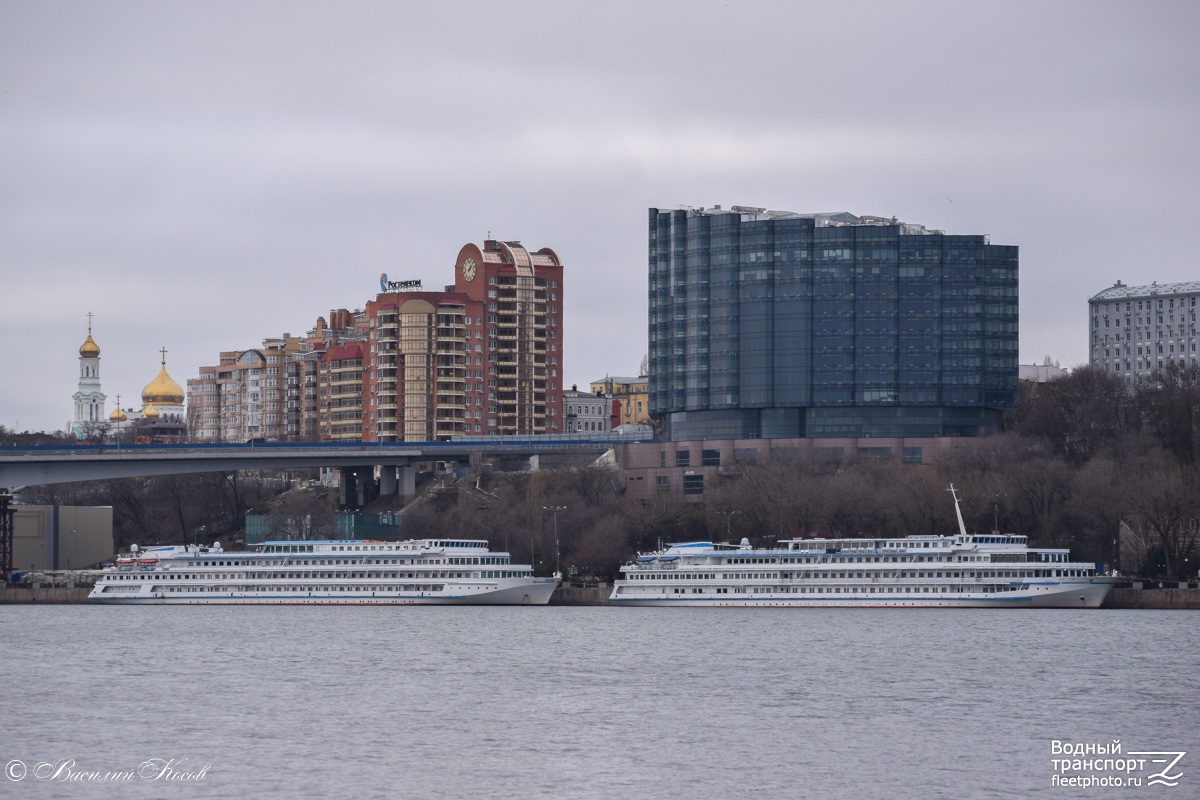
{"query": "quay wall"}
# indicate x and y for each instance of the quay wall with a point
(1153, 598)
(44, 594)
(581, 596)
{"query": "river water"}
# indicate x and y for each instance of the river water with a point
(436, 702)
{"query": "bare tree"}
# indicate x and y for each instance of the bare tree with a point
(304, 514)
(1167, 497)
(1095, 509)
(1077, 415)
(855, 507)
(918, 501)
(1170, 402)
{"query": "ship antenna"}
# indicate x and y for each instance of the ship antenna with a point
(962, 528)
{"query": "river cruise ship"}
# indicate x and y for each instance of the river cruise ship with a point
(417, 572)
(963, 571)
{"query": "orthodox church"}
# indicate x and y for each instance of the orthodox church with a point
(89, 400)
(161, 418)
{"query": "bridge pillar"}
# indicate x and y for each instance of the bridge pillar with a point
(387, 479)
(6, 534)
(368, 487)
(347, 488)
(407, 488)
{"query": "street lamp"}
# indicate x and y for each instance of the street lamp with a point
(117, 423)
(557, 556)
(728, 515)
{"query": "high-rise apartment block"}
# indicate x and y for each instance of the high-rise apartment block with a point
(340, 393)
(519, 353)
(1136, 330)
(774, 325)
(242, 397)
(271, 392)
(423, 382)
(484, 356)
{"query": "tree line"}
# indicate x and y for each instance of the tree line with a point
(1087, 462)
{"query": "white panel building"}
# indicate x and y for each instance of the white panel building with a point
(1136, 330)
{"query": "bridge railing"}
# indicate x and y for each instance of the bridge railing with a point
(493, 443)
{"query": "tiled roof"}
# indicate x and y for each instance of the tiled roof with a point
(344, 352)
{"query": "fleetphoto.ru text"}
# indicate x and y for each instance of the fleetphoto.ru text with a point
(1102, 765)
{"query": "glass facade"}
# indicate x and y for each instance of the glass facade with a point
(780, 325)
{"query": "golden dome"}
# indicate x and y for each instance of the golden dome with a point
(162, 389)
(149, 412)
(117, 416)
(89, 348)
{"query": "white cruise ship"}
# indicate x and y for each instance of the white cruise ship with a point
(417, 572)
(963, 571)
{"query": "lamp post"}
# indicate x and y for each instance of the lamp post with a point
(996, 498)
(117, 424)
(728, 515)
(557, 555)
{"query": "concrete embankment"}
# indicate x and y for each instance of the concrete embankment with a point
(44, 594)
(1177, 598)
(581, 596)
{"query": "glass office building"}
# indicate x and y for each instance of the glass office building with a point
(772, 324)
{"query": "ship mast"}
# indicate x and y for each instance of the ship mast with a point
(962, 528)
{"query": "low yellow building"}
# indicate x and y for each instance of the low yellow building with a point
(633, 394)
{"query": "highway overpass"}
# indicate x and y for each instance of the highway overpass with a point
(33, 466)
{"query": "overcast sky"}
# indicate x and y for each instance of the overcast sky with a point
(204, 175)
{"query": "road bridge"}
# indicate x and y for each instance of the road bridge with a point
(393, 463)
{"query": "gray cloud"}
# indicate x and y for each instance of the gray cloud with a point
(204, 175)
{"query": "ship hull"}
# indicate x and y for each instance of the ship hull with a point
(1082, 594)
(535, 593)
